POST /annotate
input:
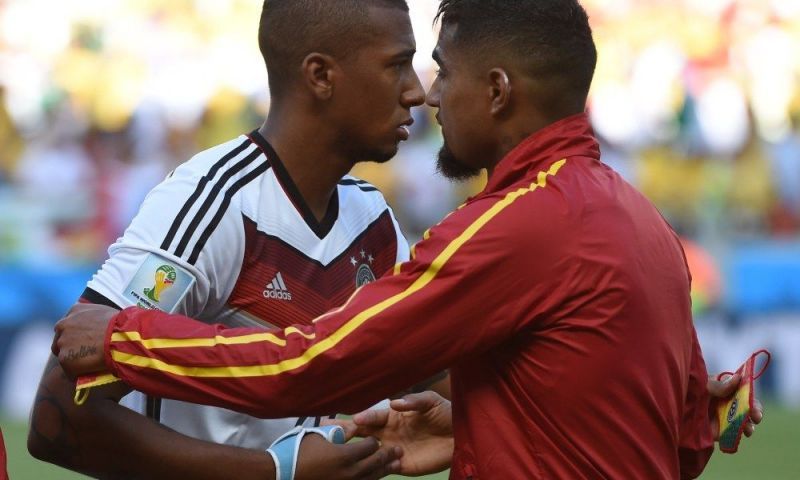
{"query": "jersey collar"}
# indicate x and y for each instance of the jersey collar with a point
(321, 228)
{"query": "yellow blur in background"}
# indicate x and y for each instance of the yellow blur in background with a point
(696, 102)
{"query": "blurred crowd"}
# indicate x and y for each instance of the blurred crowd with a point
(697, 102)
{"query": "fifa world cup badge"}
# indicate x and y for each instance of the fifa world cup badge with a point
(164, 278)
(159, 284)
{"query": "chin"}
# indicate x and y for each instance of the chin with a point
(383, 155)
(452, 168)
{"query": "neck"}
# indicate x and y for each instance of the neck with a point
(306, 149)
(516, 130)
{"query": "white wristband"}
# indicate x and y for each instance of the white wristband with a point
(285, 449)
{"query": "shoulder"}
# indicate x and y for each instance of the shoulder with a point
(355, 193)
(359, 188)
(182, 212)
(517, 219)
(231, 159)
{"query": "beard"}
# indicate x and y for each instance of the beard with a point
(451, 168)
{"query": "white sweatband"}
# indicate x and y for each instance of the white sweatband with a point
(285, 449)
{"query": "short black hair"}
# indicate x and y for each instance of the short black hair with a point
(291, 29)
(545, 38)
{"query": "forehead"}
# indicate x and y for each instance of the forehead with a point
(445, 48)
(390, 29)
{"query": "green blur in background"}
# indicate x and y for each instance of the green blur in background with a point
(771, 455)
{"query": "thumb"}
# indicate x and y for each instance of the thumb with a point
(419, 402)
(350, 428)
(724, 388)
(372, 418)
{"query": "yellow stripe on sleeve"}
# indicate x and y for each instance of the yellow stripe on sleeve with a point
(353, 324)
(152, 343)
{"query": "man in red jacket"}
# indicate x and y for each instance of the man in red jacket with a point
(558, 296)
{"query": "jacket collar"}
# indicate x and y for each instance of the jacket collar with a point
(570, 136)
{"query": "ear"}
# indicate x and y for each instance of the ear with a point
(318, 74)
(499, 90)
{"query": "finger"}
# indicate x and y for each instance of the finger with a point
(757, 413)
(350, 428)
(385, 461)
(357, 451)
(417, 402)
(372, 418)
(749, 429)
(723, 388)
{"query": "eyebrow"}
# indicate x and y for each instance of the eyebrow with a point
(436, 57)
(405, 54)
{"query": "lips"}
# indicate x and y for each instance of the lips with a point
(403, 130)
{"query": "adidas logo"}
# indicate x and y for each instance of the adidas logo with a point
(277, 290)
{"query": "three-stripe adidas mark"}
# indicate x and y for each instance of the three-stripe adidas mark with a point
(277, 289)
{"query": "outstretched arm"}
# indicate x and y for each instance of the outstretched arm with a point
(106, 440)
(391, 334)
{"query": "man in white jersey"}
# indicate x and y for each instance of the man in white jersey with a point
(266, 229)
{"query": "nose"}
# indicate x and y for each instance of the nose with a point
(434, 94)
(415, 95)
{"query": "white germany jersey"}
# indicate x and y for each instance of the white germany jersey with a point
(226, 238)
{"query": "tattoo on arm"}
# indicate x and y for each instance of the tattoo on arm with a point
(85, 351)
(50, 423)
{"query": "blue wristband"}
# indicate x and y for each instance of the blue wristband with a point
(284, 450)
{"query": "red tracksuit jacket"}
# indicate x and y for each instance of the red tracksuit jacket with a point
(558, 296)
(3, 471)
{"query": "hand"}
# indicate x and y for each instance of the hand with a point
(363, 460)
(80, 337)
(421, 424)
(721, 390)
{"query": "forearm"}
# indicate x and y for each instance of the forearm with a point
(105, 440)
(697, 442)
(389, 336)
(266, 374)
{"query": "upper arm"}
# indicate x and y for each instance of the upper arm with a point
(153, 264)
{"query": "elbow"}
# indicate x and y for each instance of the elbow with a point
(38, 448)
(43, 441)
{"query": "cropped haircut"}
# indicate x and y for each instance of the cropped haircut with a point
(291, 29)
(547, 39)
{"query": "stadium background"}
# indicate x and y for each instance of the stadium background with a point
(697, 102)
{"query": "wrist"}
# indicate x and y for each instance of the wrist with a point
(285, 450)
(107, 359)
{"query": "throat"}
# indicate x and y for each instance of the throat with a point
(320, 204)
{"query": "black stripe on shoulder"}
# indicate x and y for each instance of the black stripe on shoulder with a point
(360, 184)
(212, 195)
(176, 224)
(351, 181)
(201, 242)
(92, 296)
